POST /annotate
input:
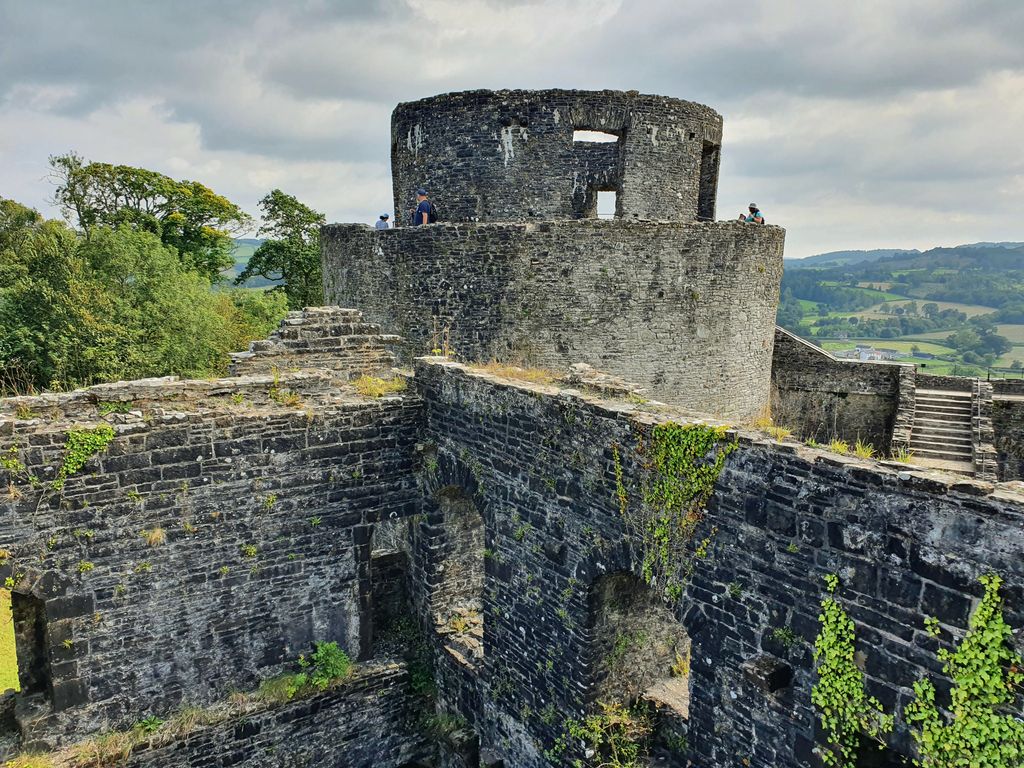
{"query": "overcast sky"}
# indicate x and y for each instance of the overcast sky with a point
(875, 123)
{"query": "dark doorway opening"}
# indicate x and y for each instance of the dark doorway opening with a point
(708, 192)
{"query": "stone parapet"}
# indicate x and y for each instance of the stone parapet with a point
(686, 311)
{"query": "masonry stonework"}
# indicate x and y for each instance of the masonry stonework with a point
(677, 308)
(521, 270)
(510, 155)
(175, 547)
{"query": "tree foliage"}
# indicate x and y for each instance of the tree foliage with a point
(119, 304)
(291, 252)
(185, 215)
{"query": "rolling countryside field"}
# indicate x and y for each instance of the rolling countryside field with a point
(949, 310)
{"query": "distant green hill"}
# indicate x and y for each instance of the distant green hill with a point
(242, 251)
(969, 299)
(839, 258)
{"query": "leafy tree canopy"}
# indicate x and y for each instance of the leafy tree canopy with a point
(291, 253)
(117, 305)
(184, 215)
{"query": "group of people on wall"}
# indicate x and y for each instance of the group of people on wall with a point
(426, 213)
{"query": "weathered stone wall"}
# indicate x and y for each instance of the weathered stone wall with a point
(510, 155)
(369, 722)
(685, 310)
(326, 338)
(1008, 426)
(222, 531)
(540, 466)
(819, 396)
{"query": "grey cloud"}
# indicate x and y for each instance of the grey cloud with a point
(878, 101)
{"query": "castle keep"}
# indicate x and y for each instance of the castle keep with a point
(473, 536)
(523, 271)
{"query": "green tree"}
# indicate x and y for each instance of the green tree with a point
(118, 305)
(291, 253)
(185, 215)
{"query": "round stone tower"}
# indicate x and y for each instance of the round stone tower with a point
(520, 268)
(514, 155)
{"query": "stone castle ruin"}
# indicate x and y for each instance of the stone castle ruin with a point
(523, 271)
(474, 534)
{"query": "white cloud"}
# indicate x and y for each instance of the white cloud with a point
(881, 123)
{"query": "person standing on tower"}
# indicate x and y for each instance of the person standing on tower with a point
(754, 217)
(424, 213)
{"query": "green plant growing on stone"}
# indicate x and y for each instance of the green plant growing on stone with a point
(981, 726)
(863, 450)
(81, 446)
(735, 590)
(785, 637)
(680, 466)
(846, 711)
(838, 446)
(149, 724)
(249, 550)
(84, 567)
(616, 736)
(903, 455)
(113, 406)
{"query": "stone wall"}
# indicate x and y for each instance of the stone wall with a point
(510, 155)
(369, 722)
(685, 310)
(542, 470)
(819, 396)
(221, 533)
(1008, 428)
(326, 338)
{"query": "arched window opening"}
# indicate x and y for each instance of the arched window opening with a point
(643, 652)
(24, 655)
(457, 599)
(8, 649)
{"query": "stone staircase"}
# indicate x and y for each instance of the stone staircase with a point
(942, 434)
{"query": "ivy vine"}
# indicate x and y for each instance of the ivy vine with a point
(845, 709)
(81, 446)
(982, 729)
(680, 465)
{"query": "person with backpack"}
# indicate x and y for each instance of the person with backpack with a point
(425, 212)
(754, 217)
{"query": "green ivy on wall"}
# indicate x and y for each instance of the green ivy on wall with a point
(982, 725)
(980, 728)
(845, 709)
(82, 445)
(680, 465)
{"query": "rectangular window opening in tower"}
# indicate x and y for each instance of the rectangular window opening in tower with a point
(708, 190)
(606, 204)
(600, 137)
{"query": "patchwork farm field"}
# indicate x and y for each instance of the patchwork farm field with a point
(8, 661)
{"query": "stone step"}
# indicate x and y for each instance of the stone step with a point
(943, 394)
(942, 413)
(942, 404)
(939, 453)
(920, 435)
(961, 467)
(951, 428)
